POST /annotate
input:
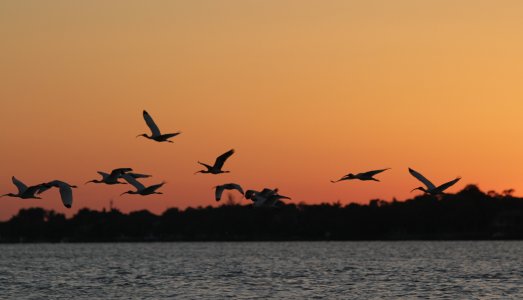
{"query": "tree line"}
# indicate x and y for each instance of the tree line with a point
(469, 214)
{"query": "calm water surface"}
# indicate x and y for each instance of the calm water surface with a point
(290, 270)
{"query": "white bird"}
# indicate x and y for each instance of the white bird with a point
(140, 188)
(361, 176)
(155, 131)
(430, 187)
(66, 191)
(113, 177)
(218, 164)
(24, 191)
(227, 186)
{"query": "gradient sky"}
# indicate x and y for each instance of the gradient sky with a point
(305, 91)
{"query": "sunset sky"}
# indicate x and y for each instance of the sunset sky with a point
(304, 91)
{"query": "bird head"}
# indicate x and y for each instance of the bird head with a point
(351, 176)
(143, 134)
(9, 195)
(94, 180)
(128, 192)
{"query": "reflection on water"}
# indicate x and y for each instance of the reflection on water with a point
(264, 270)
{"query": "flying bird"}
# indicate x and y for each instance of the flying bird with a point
(113, 177)
(155, 131)
(228, 186)
(218, 164)
(361, 176)
(267, 197)
(430, 187)
(24, 191)
(66, 191)
(140, 188)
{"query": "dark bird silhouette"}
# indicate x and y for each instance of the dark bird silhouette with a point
(228, 186)
(24, 191)
(140, 188)
(362, 176)
(218, 164)
(156, 135)
(267, 197)
(113, 177)
(66, 191)
(430, 187)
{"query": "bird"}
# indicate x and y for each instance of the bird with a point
(228, 186)
(267, 197)
(140, 188)
(113, 177)
(430, 187)
(361, 176)
(24, 191)
(218, 164)
(66, 192)
(156, 135)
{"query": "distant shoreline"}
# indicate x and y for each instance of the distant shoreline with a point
(469, 215)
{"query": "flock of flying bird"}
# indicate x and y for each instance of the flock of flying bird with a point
(266, 197)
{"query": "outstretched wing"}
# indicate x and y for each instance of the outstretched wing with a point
(20, 185)
(421, 178)
(220, 160)
(235, 186)
(372, 173)
(131, 180)
(445, 186)
(170, 135)
(138, 175)
(155, 131)
(103, 174)
(218, 192)
(117, 173)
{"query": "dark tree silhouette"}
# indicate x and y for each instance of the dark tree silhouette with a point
(468, 214)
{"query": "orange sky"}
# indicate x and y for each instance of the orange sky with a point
(305, 91)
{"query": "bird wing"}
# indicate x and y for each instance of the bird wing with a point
(374, 172)
(138, 175)
(131, 180)
(170, 135)
(117, 173)
(446, 185)
(154, 187)
(235, 186)
(36, 189)
(155, 131)
(421, 178)
(218, 192)
(220, 160)
(66, 192)
(104, 175)
(20, 185)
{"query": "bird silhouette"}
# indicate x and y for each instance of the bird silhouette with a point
(267, 197)
(156, 135)
(113, 177)
(66, 191)
(140, 188)
(218, 164)
(361, 176)
(24, 191)
(228, 186)
(430, 187)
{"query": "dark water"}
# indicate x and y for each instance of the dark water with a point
(290, 270)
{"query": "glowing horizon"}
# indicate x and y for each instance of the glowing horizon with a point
(304, 91)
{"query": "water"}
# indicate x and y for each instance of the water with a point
(284, 270)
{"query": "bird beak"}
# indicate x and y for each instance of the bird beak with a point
(123, 193)
(413, 190)
(88, 181)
